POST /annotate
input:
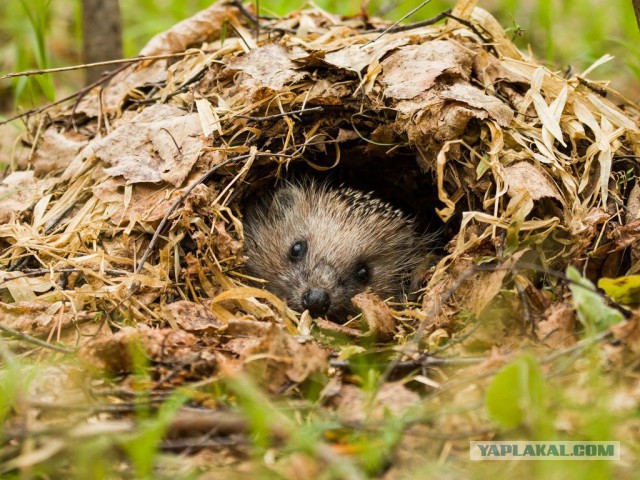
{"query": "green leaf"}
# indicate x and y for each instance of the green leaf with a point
(223, 33)
(515, 395)
(592, 311)
(625, 289)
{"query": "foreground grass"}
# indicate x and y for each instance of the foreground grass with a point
(300, 437)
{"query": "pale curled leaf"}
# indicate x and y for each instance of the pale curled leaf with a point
(19, 288)
(359, 56)
(269, 65)
(18, 192)
(413, 69)
(162, 143)
(376, 313)
(196, 29)
(501, 41)
(527, 177)
(33, 457)
(464, 8)
(612, 113)
(633, 204)
(57, 150)
(473, 97)
(242, 293)
(601, 61)
(194, 317)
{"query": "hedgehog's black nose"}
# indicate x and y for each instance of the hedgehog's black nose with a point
(317, 301)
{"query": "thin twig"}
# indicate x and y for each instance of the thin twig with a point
(279, 115)
(180, 444)
(475, 30)
(411, 26)
(119, 61)
(240, 35)
(394, 24)
(122, 407)
(423, 361)
(604, 335)
(602, 91)
(28, 338)
(106, 77)
(182, 88)
(238, 4)
(44, 271)
(460, 435)
(51, 224)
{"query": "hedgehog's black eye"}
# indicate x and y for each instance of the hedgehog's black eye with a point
(298, 250)
(362, 273)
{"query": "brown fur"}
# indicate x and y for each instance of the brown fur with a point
(344, 229)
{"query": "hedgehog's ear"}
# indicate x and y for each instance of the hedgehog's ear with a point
(279, 202)
(283, 199)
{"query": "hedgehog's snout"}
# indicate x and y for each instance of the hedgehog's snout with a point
(317, 301)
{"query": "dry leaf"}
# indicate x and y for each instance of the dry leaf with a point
(18, 192)
(412, 70)
(194, 317)
(558, 329)
(162, 143)
(473, 97)
(57, 150)
(280, 359)
(359, 56)
(114, 353)
(145, 203)
(35, 317)
(194, 30)
(377, 314)
(524, 176)
(270, 66)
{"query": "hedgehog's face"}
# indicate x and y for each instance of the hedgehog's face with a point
(310, 277)
(317, 254)
(320, 280)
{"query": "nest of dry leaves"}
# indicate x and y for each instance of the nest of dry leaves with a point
(123, 221)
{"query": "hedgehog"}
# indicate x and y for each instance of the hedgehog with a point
(317, 246)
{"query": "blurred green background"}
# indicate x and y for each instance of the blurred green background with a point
(561, 33)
